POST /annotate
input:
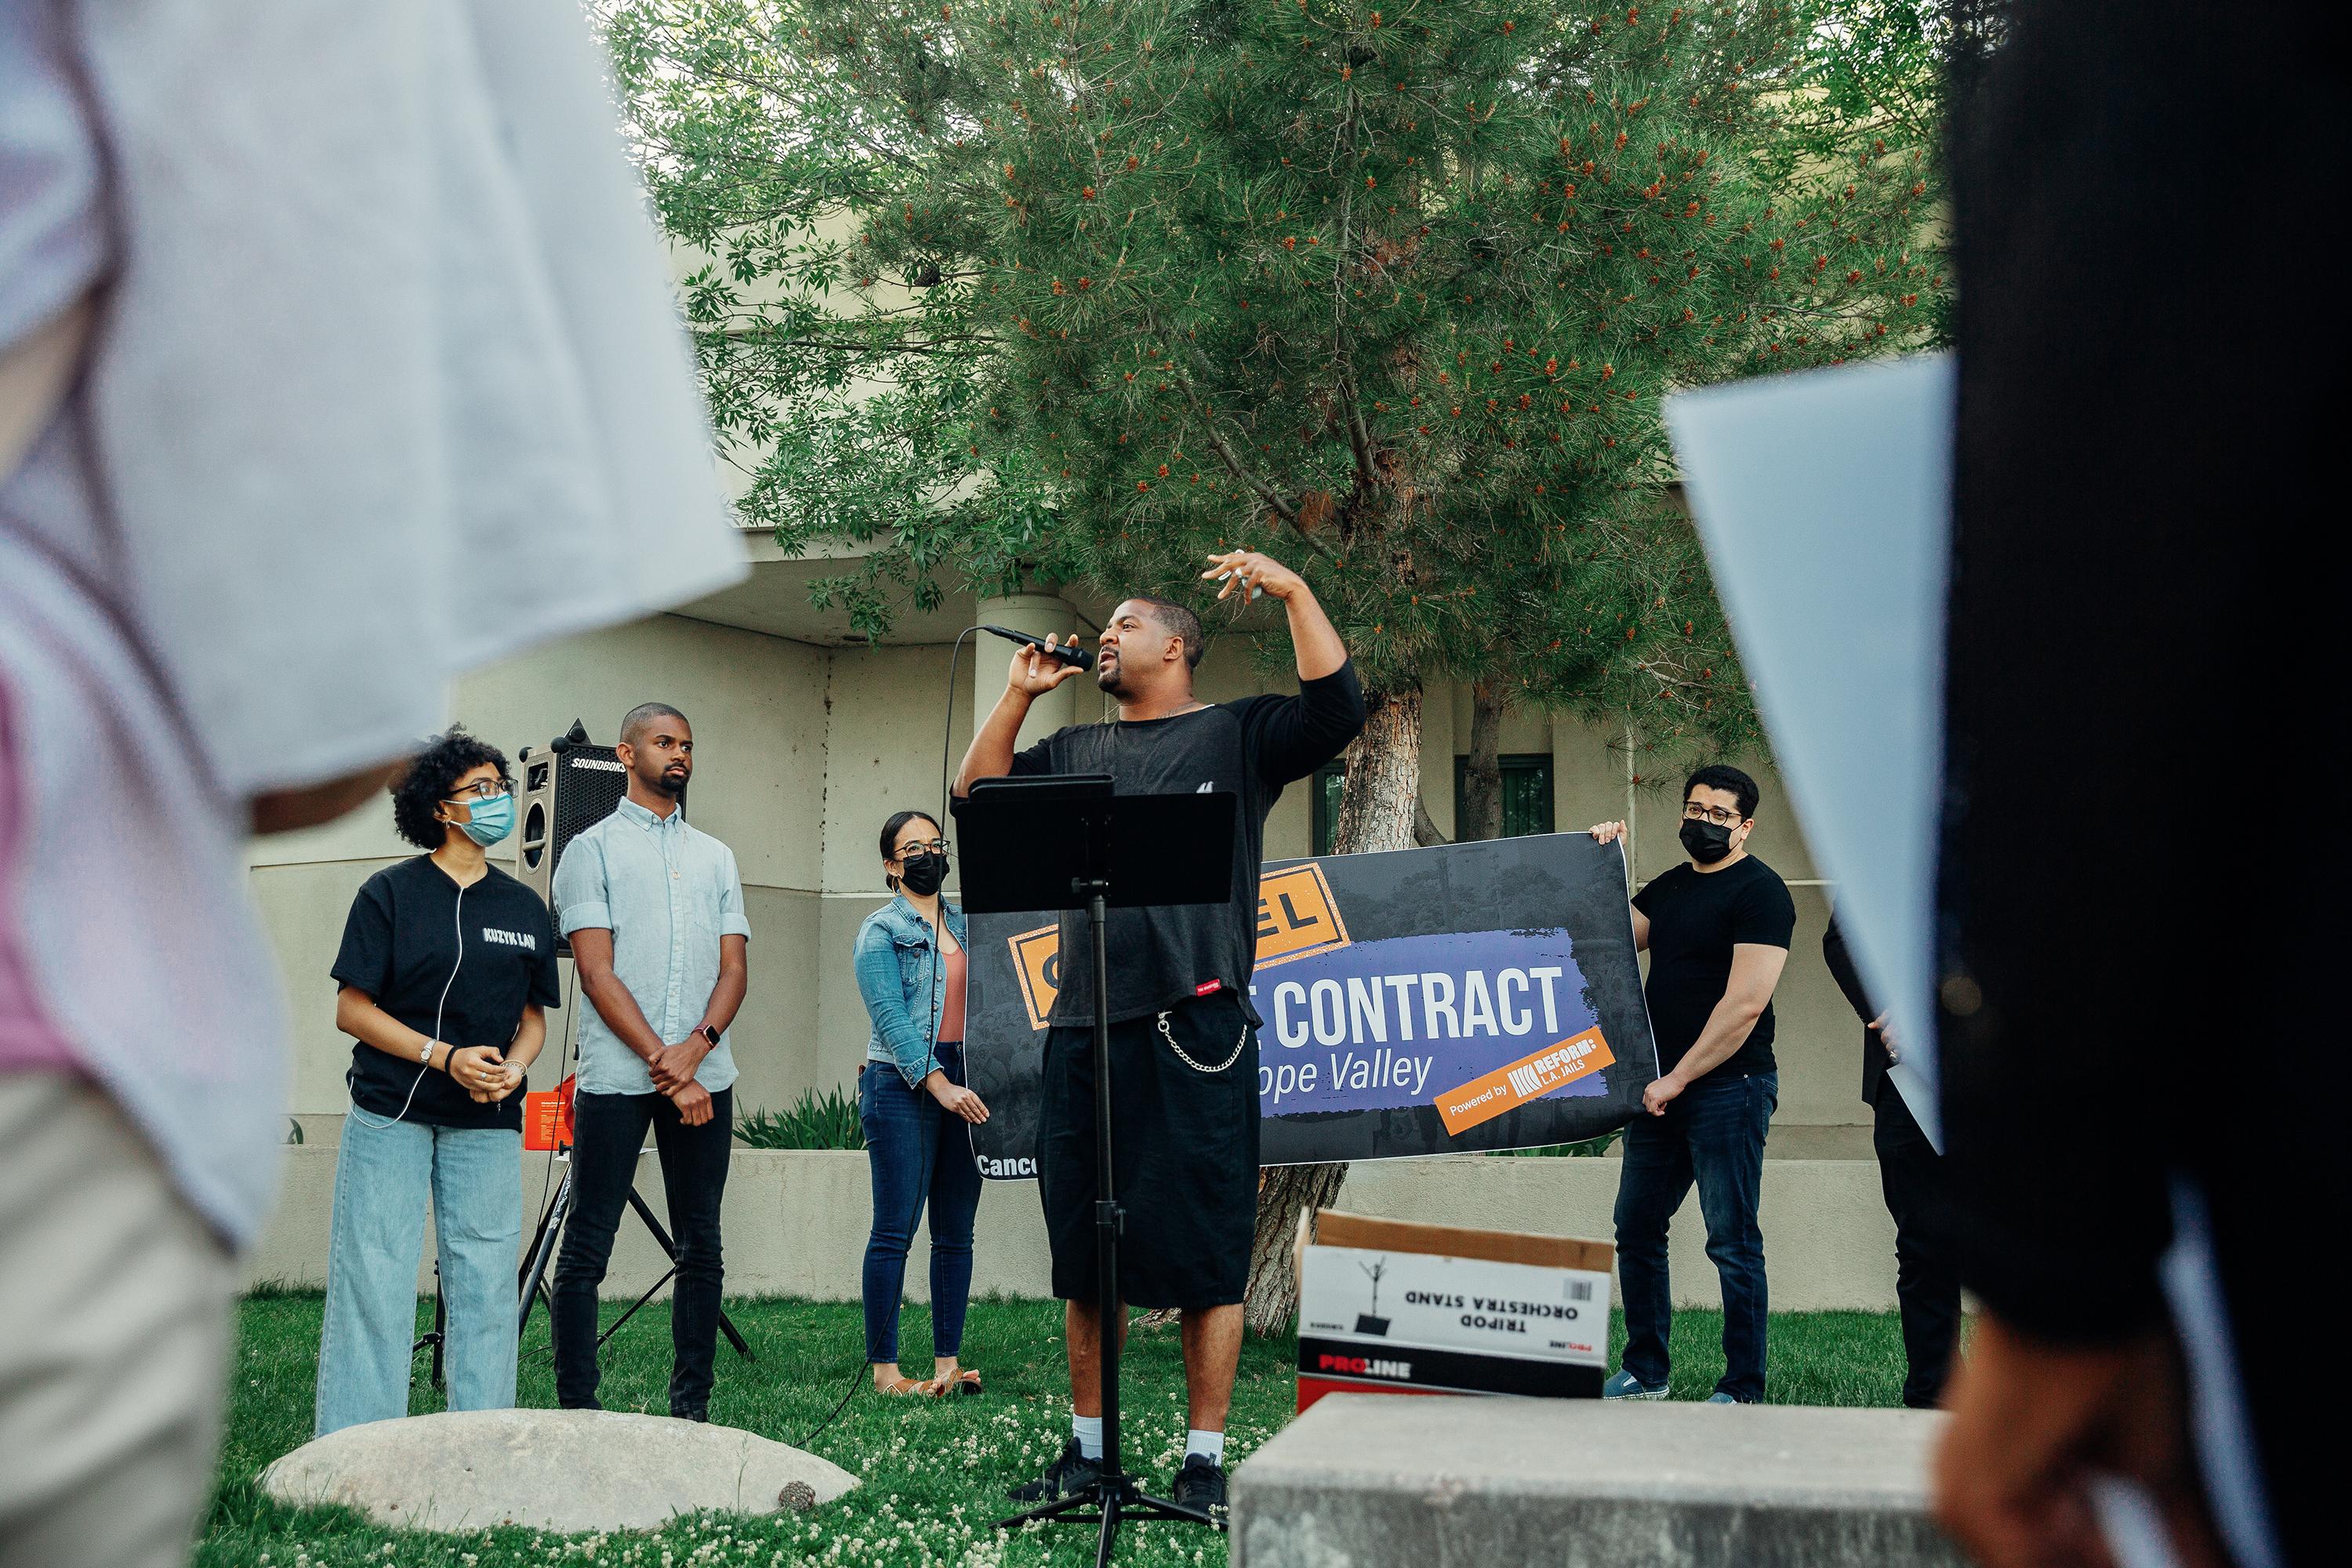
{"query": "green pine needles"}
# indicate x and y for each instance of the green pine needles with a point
(1085, 290)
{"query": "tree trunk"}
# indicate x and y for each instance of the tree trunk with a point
(1482, 774)
(1377, 811)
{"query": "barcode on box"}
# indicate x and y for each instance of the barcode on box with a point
(1579, 1289)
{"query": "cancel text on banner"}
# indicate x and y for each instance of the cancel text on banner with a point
(1459, 998)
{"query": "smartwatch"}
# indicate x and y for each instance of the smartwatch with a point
(709, 1032)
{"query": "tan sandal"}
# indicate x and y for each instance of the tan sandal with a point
(901, 1388)
(966, 1381)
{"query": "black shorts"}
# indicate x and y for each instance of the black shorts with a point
(1183, 1149)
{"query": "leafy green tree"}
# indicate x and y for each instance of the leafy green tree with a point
(1083, 290)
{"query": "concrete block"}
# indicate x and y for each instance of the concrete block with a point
(1391, 1482)
(565, 1470)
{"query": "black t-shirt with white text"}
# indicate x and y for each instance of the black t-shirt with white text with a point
(457, 964)
(1160, 957)
(1695, 919)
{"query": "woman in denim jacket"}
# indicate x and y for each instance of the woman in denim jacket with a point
(913, 1105)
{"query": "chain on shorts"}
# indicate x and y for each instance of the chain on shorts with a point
(1239, 1043)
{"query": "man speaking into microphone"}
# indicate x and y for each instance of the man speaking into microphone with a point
(1183, 1039)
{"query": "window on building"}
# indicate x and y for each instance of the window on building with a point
(1526, 791)
(1329, 779)
(1526, 795)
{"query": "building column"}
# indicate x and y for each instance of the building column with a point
(1046, 615)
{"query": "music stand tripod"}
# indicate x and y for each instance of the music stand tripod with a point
(1065, 842)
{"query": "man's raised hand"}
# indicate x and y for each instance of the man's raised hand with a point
(1254, 573)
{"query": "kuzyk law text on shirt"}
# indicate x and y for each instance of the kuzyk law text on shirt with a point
(1356, 1013)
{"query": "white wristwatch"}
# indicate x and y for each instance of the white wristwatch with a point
(425, 1055)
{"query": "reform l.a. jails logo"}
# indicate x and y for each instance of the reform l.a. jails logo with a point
(1296, 918)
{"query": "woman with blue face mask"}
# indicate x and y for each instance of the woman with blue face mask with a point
(446, 968)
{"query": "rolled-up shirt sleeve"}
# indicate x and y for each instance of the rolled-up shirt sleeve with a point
(583, 899)
(732, 921)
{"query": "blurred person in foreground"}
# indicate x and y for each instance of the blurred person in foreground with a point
(2139, 997)
(336, 357)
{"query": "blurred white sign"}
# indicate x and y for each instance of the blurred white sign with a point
(1824, 500)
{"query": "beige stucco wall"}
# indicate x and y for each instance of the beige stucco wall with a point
(759, 708)
(802, 750)
(795, 1224)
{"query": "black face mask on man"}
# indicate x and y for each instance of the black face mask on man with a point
(1706, 842)
(923, 874)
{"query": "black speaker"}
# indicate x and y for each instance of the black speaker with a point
(568, 786)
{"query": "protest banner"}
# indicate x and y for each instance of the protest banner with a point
(1460, 998)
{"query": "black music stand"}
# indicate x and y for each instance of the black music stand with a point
(1065, 842)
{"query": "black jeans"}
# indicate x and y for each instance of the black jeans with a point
(1926, 1283)
(1712, 1132)
(607, 1131)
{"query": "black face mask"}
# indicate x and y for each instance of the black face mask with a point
(1708, 842)
(924, 874)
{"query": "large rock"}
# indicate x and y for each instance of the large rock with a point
(549, 1469)
(1374, 1480)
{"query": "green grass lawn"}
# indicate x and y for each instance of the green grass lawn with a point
(935, 1472)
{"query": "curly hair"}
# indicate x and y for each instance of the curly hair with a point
(429, 777)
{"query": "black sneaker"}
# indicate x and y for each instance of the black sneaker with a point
(1068, 1476)
(1201, 1486)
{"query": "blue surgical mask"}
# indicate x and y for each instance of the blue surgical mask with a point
(492, 820)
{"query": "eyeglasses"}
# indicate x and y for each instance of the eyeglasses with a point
(1694, 812)
(921, 847)
(488, 789)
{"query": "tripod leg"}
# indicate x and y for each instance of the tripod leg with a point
(1106, 1543)
(614, 1327)
(531, 1284)
(669, 1250)
(440, 1328)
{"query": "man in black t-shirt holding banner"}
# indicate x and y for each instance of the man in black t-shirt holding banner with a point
(1718, 932)
(1183, 1037)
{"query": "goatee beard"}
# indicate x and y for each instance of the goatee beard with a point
(671, 783)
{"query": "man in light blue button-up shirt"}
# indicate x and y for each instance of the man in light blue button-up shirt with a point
(654, 910)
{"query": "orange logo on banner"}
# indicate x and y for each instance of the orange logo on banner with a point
(1530, 1078)
(1037, 959)
(1296, 916)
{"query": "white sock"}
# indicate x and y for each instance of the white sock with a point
(1088, 1429)
(1210, 1446)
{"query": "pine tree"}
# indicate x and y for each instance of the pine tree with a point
(1088, 288)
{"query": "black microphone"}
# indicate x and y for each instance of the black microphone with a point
(1068, 652)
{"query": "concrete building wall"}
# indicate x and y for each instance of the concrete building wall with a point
(802, 749)
(796, 1222)
(759, 708)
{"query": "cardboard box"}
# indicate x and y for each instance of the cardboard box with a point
(1396, 1307)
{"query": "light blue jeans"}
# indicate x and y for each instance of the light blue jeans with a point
(383, 1176)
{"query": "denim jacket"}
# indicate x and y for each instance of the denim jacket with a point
(894, 959)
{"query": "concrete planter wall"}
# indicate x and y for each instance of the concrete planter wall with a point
(795, 1224)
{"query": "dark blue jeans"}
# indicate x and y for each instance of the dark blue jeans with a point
(918, 1153)
(1713, 1131)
